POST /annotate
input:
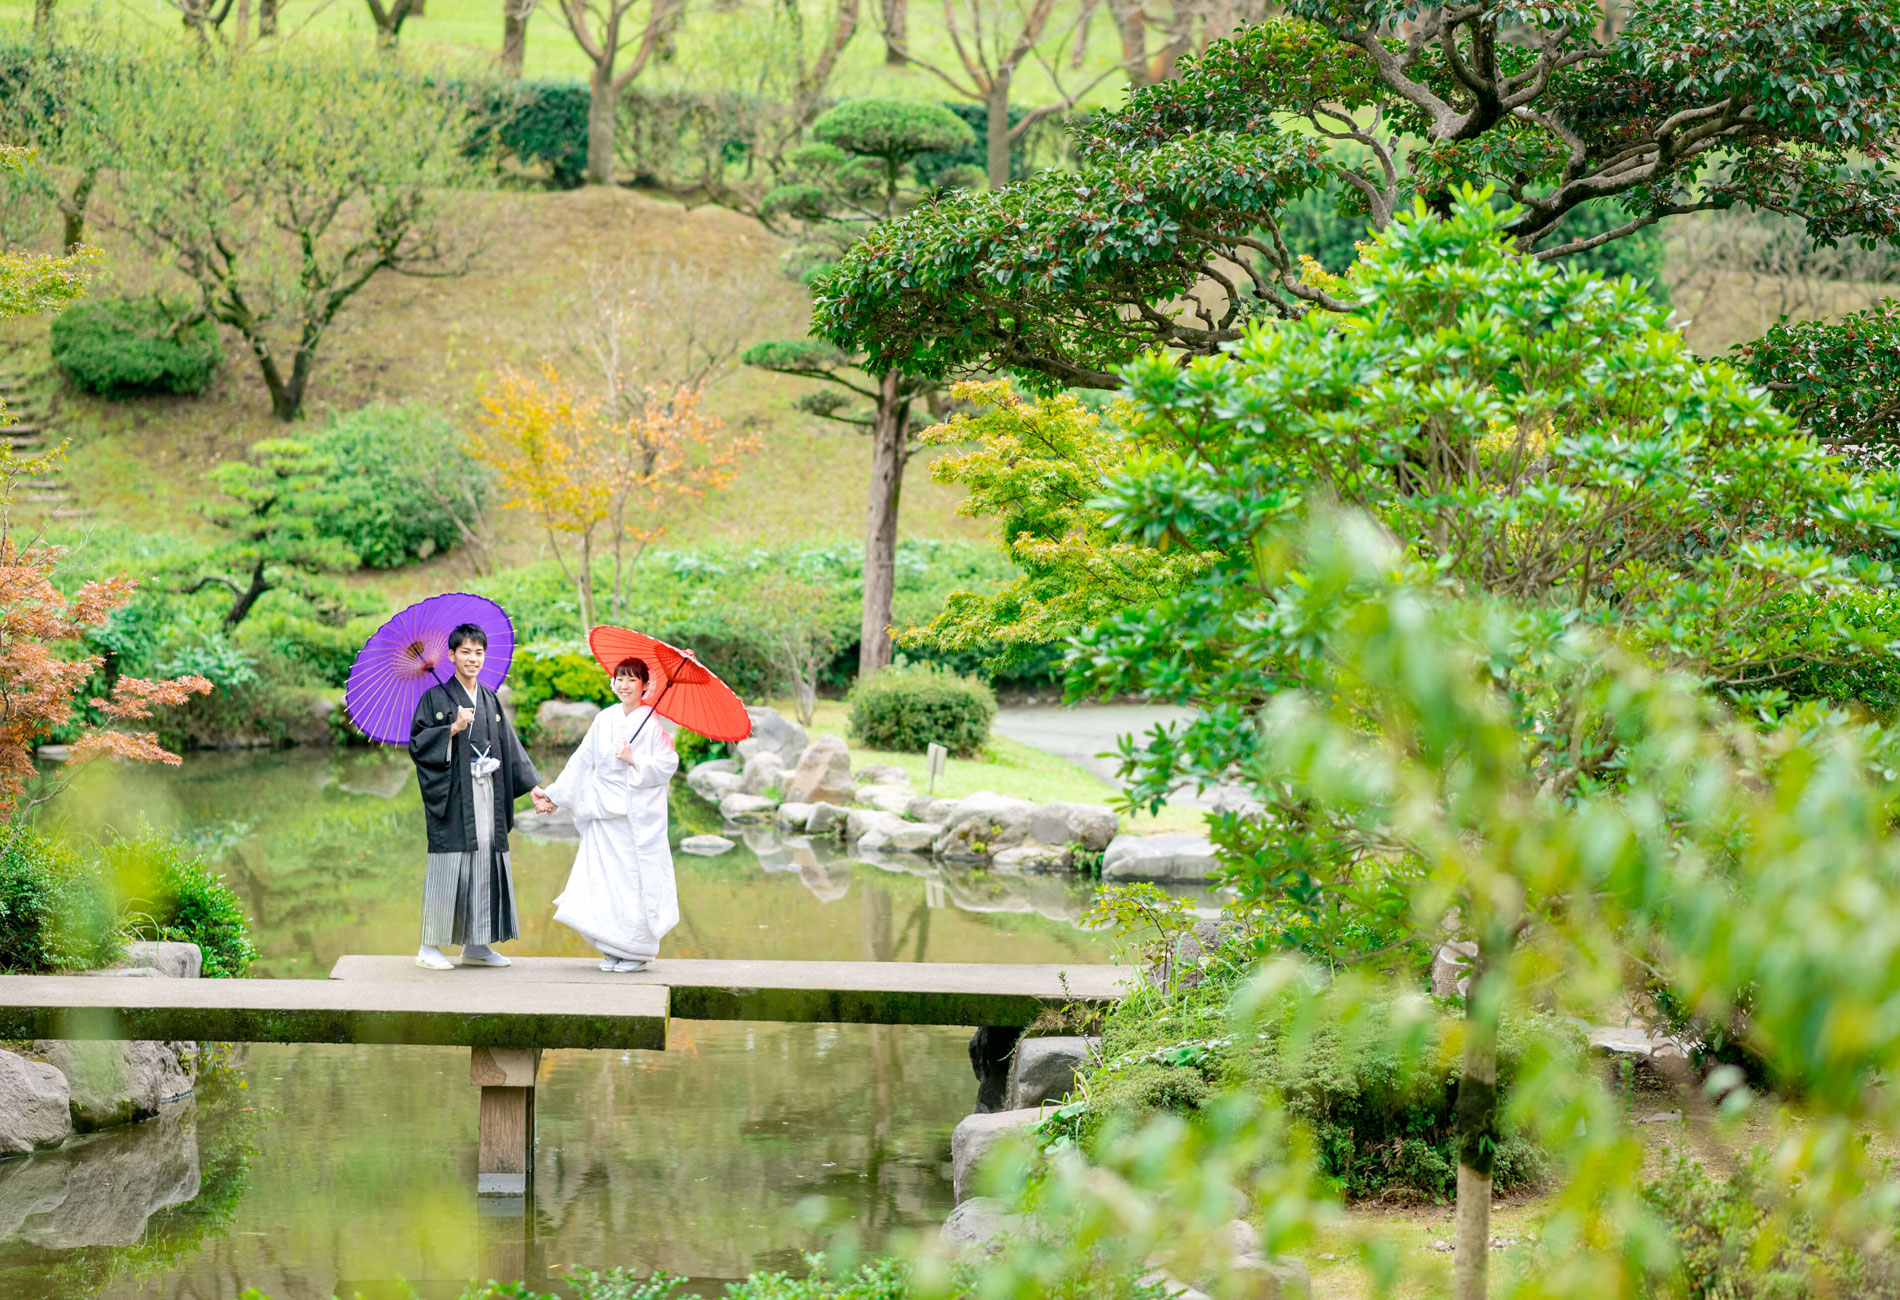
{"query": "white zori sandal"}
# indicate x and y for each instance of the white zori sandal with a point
(432, 959)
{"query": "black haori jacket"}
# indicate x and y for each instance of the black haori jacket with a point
(442, 766)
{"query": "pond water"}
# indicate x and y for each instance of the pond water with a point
(316, 1170)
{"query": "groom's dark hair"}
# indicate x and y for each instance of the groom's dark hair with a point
(636, 666)
(467, 632)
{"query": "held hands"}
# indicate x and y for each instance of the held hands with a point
(463, 717)
(542, 804)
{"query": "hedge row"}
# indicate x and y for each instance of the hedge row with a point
(536, 124)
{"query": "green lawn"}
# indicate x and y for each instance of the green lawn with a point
(1008, 768)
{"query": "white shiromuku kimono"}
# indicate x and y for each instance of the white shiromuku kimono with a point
(620, 896)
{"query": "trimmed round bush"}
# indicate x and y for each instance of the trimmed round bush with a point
(374, 497)
(136, 347)
(906, 709)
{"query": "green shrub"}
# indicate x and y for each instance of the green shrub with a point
(538, 123)
(1733, 1244)
(55, 912)
(695, 748)
(376, 500)
(136, 347)
(906, 708)
(277, 706)
(72, 908)
(1382, 1126)
(168, 892)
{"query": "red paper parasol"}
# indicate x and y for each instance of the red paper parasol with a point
(689, 692)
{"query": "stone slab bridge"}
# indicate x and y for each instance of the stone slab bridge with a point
(507, 1017)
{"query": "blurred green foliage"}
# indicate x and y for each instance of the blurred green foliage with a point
(73, 907)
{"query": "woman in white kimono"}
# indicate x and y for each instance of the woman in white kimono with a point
(621, 897)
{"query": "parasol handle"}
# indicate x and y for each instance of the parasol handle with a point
(652, 712)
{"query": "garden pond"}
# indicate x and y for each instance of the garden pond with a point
(314, 1170)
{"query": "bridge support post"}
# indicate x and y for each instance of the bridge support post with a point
(991, 1048)
(504, 1162)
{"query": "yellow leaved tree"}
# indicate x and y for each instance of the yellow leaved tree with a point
(599, 476)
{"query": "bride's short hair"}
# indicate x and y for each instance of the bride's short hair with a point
(633, 666)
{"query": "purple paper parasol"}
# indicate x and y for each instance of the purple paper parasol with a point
(410, 653)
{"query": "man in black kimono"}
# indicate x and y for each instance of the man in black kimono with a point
(471, 768)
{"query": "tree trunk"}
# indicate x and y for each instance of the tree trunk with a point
(1133, 27)
(244, 602)
(74, 209)
(514, 36)
(415, 8)
(1476, 1130)
(587, 582)
(996, 161)
(286, 391)
(896, 31)
(600, 126)
(42, 17)
(266, 18)
(890, 448)
(241, 33)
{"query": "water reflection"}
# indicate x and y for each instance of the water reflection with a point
(693, 1160)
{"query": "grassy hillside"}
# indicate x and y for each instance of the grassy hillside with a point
(141, 463)
(719, 44)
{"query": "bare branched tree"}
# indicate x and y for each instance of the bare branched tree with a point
(652, 323)
(606, 30)
(993, 40)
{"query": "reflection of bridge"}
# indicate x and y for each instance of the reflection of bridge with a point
(507, 1017)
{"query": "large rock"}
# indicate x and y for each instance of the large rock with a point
(976, 1134)
(1034, 857)
(883, 774)
(564, 722)
(557, 825)
(169, 958)
(793, 816)
(111, 1083)
(1177, 855)
(743, 808)
(823, 774)
(978, 1224)
(1090, 825)
(774, 733)
(764, 772)
(101, 1192)
(1279, 1277)
(707, 846)
(713, 779)
(982, 825)
(925, 808)
(888, 798)
(826, 819)
(35, 1106)
(860, 823)
(901, 836)
(1044, 1069)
